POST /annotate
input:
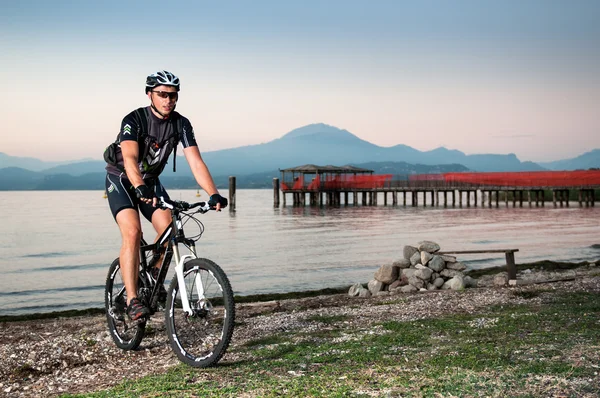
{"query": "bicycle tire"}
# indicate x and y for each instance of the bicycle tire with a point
(201, 340)
(126, 334)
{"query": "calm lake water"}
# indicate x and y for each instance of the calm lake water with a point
(56, 246)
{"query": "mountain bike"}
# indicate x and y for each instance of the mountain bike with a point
(199, 309)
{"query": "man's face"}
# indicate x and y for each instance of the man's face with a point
(164, 98)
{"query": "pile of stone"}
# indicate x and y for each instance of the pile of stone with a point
(420, 269)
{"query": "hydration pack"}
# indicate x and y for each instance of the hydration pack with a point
(144, 140)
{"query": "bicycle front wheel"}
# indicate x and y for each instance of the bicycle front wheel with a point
(126, 334)
(200, 339)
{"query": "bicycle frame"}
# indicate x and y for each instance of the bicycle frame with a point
(172, 235)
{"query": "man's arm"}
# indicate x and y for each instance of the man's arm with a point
(200, 171)
(130, 150)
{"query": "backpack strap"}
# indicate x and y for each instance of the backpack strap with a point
(178, 127)
(141, 115)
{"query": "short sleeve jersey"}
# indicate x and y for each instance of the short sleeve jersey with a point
(156, 147)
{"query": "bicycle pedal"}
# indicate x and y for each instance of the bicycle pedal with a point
(141, 320)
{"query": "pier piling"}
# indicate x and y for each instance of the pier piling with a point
(276, 192)
(232, 193)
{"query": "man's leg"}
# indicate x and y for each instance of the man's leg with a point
(161, 219)
(131, 233)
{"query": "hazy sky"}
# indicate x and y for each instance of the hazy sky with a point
(513, 76)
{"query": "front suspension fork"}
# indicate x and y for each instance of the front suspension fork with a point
(180, 261)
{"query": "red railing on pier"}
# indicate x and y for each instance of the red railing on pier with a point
(340, 182)
(527, 179)
(356, 181)
(426, 177)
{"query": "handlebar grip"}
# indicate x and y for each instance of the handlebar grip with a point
(198, 204)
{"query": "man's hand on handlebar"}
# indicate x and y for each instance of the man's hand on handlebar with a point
(145, 195)
(180, 205)
(217, 201)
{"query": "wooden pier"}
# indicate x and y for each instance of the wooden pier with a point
(326, 187)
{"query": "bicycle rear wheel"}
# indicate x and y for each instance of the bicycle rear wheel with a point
(200, 339)
(126, 334)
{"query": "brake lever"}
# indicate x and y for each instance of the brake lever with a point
(163, 204)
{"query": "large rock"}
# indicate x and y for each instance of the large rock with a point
(456, 283)
(416, 282)
(396, 284)
(470, 282)
(415, 258)
(425, 257)
(402, 263)
(447, 258)
(409, 251)
(438, 282)
(375, 286)
(423, 273)
(428, 246)
(355, 290)
(407, 273)
(437, 263)
(450, 273)
(501, 279)
(387, 273)
(408, 289)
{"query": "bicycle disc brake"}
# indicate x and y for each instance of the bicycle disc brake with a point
(201, 308)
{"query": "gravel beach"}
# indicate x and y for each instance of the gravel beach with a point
(49, 357)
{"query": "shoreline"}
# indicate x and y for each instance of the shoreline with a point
(542, 265)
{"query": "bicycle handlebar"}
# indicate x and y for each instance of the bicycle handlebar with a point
(181, 205)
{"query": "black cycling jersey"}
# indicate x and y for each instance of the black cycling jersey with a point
(160, 147)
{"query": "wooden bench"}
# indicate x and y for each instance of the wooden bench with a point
(510, 260)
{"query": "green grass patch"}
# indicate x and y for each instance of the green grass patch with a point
(269, 340)
(529, 294)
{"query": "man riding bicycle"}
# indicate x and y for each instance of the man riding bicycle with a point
(145, 141)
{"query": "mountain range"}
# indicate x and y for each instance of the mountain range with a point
(319, 144)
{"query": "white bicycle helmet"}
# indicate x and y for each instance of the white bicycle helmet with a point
(161, 78)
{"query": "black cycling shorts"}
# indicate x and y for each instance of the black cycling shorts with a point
(121, 195)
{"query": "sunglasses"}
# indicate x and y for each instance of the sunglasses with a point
(167, 94)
